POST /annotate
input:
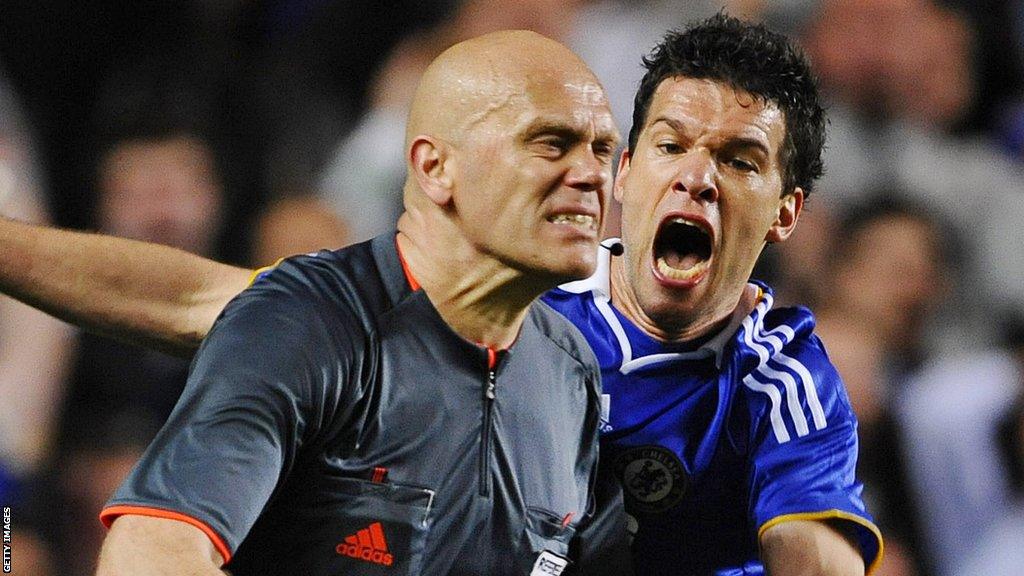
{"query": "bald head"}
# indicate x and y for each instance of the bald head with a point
(491, 74)
(509, 148)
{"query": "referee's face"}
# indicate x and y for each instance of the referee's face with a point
(700, 198)
(536, 176)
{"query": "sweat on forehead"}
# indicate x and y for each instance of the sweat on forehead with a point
(478, 77)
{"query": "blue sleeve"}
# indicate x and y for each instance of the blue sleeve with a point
(260, 387)
(804, 446)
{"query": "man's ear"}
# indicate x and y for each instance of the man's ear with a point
(620, 174)
(429, 163)
(788, 213)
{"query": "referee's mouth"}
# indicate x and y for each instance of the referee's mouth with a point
(682, 251)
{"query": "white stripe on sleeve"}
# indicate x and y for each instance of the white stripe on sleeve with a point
(778, 426)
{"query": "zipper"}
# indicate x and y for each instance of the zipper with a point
(485, 430)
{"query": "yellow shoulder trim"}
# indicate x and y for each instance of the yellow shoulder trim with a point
(830, 515)
(256, 273)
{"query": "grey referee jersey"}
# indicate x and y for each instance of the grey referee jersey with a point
(333, 424)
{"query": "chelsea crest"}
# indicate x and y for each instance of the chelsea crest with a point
(653, 479)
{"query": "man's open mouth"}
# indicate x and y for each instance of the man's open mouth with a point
(682, 249)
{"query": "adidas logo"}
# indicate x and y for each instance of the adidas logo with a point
(368, 544)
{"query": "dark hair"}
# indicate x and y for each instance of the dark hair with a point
(752, 58)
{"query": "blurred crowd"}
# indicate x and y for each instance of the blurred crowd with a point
(250, 131)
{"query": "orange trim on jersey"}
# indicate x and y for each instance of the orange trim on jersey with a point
(832, 515)
(492, 354)
(108, 515)
(567, 519)
(413, 284)
(256, 273)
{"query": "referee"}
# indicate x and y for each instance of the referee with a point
(406, 405)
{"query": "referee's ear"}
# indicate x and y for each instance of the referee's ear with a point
(428, 164)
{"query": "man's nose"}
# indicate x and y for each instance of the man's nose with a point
(588, 172)
(697, 176)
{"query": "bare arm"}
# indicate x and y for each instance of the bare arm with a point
(144, 546)
(809, 548)
(34, 357)
(152, 295)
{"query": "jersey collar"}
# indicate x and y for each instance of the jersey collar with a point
(600, 285)
(600, 281)
(752, 294)
(397, 282)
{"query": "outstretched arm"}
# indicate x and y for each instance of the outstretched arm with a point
(148, 294)
(809, 548)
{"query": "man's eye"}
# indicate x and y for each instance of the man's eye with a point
(552, 146)
(742, 165)
(670, 147)
(604, 151)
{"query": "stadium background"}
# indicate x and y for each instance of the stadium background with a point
(251, 130)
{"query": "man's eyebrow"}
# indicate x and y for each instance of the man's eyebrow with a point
(563, 129)
(608, 136)
(546, 126)
(673, 123)
(736, 142)
(747, 142)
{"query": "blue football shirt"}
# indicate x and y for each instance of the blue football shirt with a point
(715, 445)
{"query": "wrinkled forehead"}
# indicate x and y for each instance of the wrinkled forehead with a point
(704, 105)
(513, 101)
(554, 89)
(578, 100)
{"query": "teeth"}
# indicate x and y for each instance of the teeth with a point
(584, 220)
(677, 274)
(686, 222)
